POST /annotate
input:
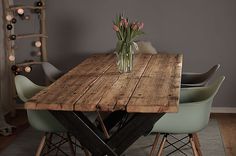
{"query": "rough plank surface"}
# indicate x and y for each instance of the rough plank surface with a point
(158, 89)
(152, 86)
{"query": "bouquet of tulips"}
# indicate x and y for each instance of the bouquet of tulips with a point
(126, 32)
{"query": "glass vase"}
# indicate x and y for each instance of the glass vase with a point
(125, 58)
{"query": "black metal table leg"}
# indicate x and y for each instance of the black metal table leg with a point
(88, 135)
(112, 119)
(140, 124)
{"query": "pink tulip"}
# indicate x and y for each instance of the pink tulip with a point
(141, 25)
(121, 23)
(126, 23)
(115, 28)
(134, 26)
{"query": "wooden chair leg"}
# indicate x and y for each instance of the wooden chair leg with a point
(154, 144)
(71, 145)
(162, 145)
(103, 125)
(193, 145)
(86, 152)
(49, 139)
(41, 145)
(197, 143)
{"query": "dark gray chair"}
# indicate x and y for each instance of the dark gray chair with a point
(198, 79)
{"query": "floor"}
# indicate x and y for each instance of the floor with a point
(20, 121)
(227, 123)
(141, 147)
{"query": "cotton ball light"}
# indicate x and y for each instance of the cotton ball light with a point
(38, 44)
(13, 20)
(38, 53)
(20, 12)
(27, 17)
(12, 58)
(13, 37)
(9, 17)
(39, 4)
(28, 69)
(9, 27)
(14, 68)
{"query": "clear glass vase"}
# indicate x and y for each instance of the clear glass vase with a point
(125, 58)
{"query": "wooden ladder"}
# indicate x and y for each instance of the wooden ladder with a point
(9, 11)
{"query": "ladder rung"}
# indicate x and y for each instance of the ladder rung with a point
(28, 63)
(25, 7)
(30, 35)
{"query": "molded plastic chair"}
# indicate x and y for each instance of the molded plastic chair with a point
(41, 120)
(198, 79)
(193, 115)
(51, 71)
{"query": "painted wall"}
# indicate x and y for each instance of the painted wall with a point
(204, 31)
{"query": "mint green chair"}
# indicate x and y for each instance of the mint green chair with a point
(198, 79)
(51, 71)
(192, 117)
(41, 120)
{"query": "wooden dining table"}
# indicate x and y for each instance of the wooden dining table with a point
(135, 101)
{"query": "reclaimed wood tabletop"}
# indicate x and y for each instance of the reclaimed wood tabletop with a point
(153, 86)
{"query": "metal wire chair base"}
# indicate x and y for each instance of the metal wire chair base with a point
(177, 141)
(55, 141)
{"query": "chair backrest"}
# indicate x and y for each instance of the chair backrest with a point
(198, 79)
(206, 76)
(199, 106)
(51, 71)
(39, 119)
(26, 88)
(197, 94)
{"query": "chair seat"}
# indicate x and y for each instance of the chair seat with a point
(43, 120)
(191, 118)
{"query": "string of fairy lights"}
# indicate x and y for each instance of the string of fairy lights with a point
(11, 19)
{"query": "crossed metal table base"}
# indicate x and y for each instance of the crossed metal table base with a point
(92, 138)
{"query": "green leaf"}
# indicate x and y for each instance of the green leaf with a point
(139, 33)
(118, 46)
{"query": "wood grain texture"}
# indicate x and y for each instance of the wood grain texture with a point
(158, 89)
(96, 84)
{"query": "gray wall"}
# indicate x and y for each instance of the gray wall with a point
(204, 31)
